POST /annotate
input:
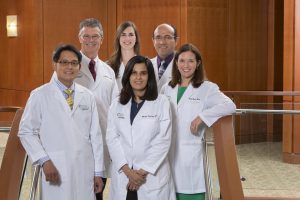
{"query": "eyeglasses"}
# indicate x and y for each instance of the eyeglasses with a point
(65, 63)
(91, 37)
(165, 38)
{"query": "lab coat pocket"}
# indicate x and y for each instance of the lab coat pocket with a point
(161, 178)
(59, 160)
(190, 153)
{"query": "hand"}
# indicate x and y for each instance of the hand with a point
(98, 184)
(51, 172)
(142, 172)
(133, 176)
(131, 186)
(195, 125)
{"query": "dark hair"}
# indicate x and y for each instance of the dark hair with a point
(65, 47)
(151, 87)
(199, 74)
(165, 24)
(115, 60)
(92, 23)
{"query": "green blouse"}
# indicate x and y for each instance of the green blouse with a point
(180, 93)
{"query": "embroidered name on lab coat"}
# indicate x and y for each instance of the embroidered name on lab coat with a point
(194, 99)
(83, 107)
(149, 116)
(120, 115)
(107, 77)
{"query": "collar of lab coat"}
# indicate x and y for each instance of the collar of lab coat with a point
(60, 97)
(188, 93)
(85, 70)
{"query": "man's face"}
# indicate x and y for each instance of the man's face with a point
(67, 67)
(90, 39)
(164, 41)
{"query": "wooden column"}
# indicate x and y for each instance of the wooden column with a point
(291, 80)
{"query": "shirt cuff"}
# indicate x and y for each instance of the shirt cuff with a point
(101, 174)
(41, 161)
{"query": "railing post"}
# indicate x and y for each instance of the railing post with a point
(226, 158)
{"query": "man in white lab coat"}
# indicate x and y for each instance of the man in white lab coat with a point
(60, 131)
(97, 76)
(164, 40)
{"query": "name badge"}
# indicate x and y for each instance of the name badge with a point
(83, 107)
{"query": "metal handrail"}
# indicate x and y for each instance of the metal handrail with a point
(35, 180)
(265, 111)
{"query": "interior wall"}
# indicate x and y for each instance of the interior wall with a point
(232, 36)
(21, 57)
(61, 20)
(147, 14)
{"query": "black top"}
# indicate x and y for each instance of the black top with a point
(135, 107)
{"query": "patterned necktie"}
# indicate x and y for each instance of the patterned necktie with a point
(70, 102)
(161, 69)
(92, 68)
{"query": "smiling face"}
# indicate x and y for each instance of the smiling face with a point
(90, 39)
(164, 41)
(67, 67)
(139, 79)
(187, 65)
(127, 38)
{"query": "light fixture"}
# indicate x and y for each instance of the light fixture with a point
(11, 25)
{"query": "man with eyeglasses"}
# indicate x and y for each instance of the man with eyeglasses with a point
(164, 40)
(98, 77)
(60, 131)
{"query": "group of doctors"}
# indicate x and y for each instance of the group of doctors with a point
(144, 117)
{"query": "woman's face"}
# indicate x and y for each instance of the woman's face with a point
(139, 77)
(187, 64)
(127, 38)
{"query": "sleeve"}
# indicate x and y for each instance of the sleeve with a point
(216, 106)
(160, 143)
(113, 139)
(29, 128)
(96, 139)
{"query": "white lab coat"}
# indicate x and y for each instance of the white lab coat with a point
(105, 89)
(186, 151)
(144, 144)
(167, 75)
(71, 138)
(120, 76)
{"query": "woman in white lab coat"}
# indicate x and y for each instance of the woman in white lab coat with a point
(126, 45)
(139, 137)
(196, 104)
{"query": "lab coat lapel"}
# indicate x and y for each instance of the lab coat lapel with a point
(85, 70)
(99, 76)
(77, 97)
(173, 95)
(143, 111)
(188, 92)
(59, 97)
